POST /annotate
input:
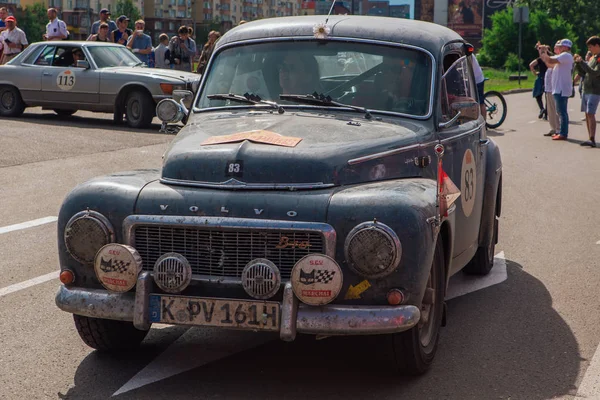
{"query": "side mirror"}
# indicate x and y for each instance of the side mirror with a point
(83, 64)
(184, 96)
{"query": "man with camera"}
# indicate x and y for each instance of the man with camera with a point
(591, 86)
(140, 43)
(562, 80)
(181, 51)
(12, 40)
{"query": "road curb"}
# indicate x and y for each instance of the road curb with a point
(512, 91)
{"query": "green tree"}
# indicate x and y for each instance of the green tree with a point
(32, 20)
(126, 7)
(503, 38)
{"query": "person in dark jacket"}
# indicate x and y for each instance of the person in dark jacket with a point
(591, 86)
(539, 68)
(207, 51)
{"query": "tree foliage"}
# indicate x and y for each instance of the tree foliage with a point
(126, 7)
(32, 20)
(503, 38)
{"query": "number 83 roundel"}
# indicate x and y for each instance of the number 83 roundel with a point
(468, 182)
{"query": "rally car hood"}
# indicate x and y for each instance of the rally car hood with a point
(153, 72)
(322, 149)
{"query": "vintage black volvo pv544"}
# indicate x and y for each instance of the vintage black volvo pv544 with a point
(330, 178)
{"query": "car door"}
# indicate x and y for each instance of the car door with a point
(463, 157)
(65, 84)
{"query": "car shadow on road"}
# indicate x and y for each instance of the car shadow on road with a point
(502, 342)
(85, 122)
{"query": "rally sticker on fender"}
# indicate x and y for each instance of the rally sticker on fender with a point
(66, 80)
(239, 314)
(468, 182)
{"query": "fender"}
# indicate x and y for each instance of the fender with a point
(492, 193)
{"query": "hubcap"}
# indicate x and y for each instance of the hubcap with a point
(7, 100)
(135, 109)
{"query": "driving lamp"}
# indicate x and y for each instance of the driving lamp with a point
(168, 110)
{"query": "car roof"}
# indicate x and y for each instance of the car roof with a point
(429, 36)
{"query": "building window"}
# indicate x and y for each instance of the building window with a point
(172, 26)
(207, 5)
(171, 13)
(157, 13)
(207, 17)
(180, 14)
(158, 25)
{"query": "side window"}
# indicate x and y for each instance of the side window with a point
(46, 56)
(63, 57)
(458, 91)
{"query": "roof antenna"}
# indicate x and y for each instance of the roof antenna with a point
(330, 11)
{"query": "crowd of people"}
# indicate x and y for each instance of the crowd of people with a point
(558, 72)
(178, 52)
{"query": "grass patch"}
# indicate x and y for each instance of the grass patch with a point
(498, 80)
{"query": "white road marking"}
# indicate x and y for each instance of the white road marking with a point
(29, 283)
(598, 242)
(532, 122)
(461, 284)
(195, 348)
(201, 346)
(590, 384)
(28, 224)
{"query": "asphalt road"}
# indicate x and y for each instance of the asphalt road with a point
(532, 336)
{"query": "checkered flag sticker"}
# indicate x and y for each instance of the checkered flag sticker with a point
(324, 276)
(111, 265)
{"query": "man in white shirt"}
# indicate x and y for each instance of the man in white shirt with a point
(479, 82)
(562, 81)
(55, 29)
(12, 40)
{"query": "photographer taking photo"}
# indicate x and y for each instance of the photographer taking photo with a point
(180, 48)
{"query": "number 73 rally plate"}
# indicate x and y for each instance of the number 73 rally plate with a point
(237, 314)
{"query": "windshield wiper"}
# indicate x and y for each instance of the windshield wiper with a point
(317, 98)
(247, 98)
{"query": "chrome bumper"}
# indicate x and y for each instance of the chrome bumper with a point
(295, 317)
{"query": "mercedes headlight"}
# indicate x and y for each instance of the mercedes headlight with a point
(373, 250)
(86, 233)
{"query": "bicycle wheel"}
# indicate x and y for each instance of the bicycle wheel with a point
(495, 107)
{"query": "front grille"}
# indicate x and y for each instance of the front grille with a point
(224, 253)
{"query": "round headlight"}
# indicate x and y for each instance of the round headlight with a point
(372, 250)
(168, 110)
(86, 233)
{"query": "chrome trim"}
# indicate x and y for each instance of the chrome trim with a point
(143, 288)
(96, 303)
(443, 125)
(350, 320)
(289, 314)
(386, 230)
(452, 209)
(387, 153)
(329, 39)
(129, 224)
(234, 184)
(484, 142)
(460, 136)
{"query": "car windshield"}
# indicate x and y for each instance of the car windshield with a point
(376, 77)
(113, 56)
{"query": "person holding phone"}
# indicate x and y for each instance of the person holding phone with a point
(140, 43)
(12, 41)
(180, 50)
(122, 33)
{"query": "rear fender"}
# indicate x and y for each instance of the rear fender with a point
(492, 195)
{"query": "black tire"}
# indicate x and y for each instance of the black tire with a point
(139, 109)
(496, 110)
(107, 334)
(64, 113)
(11, 102)
(415, 349)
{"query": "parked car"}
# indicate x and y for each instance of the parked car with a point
(108, 78)
(330, 179)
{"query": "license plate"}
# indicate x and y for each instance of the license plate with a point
(238, 314)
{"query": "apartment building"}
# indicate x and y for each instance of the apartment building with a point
(166, 16)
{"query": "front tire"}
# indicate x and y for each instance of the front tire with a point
(415, 349)
(11, 102)
(107, 334)
(139, 109)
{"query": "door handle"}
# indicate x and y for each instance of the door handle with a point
(47, 74)
(484, 142)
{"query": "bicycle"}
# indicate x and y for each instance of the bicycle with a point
(495, 108)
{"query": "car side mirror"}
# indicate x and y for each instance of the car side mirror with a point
(184, 96)
(468, 108)
(83, 64)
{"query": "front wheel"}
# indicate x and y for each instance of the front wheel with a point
(108, 334)
(495, 109)
(11, 103)
(139, 109)
(415, 349)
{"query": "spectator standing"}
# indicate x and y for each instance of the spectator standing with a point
(56, 29)
(104, 17)
(591, 86)
(207, 51)
(192, 45)
(539, 68)
(562, 81)
(550, 103)
(3, 15)
(480, 83)
(13, 40)
(102, 35)
(180, 53)
(122, 33)
(161, 52)
(139, 42)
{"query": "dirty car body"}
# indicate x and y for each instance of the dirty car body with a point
(108, 78)
(340, 206)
